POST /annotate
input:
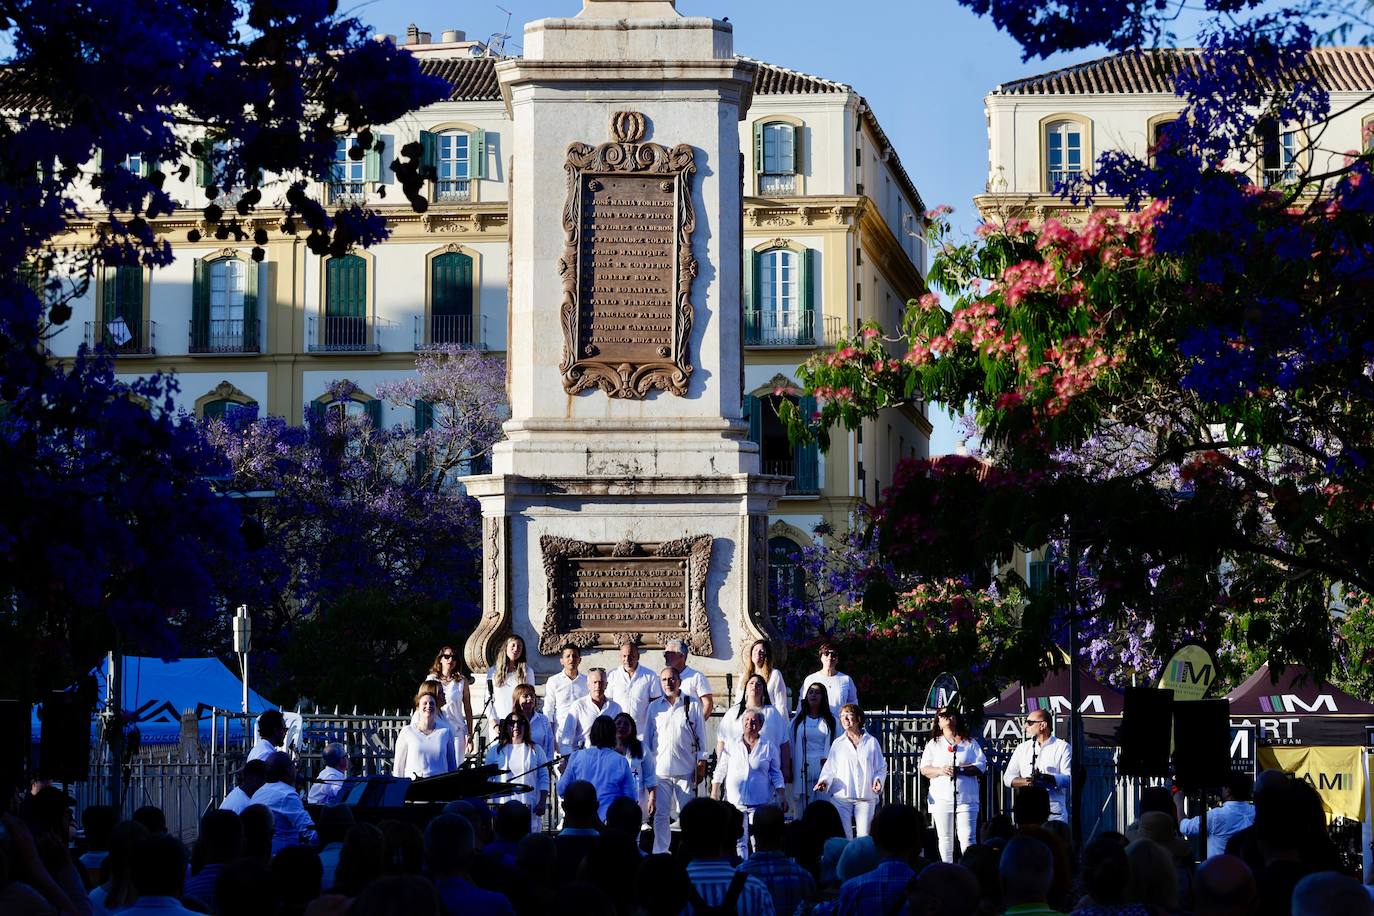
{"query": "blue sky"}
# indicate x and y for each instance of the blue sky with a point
(924, 66)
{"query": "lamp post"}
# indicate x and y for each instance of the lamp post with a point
(243, 637)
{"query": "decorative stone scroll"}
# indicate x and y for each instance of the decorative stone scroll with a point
(628, 267)
(601, 594)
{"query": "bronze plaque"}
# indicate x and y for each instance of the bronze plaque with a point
(628, 266)
(599, 594)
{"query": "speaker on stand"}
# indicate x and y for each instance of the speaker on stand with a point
(1146, 725)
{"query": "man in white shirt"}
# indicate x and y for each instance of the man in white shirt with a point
(839, 687)
(271, 734)
(1042, 760)
(327, 789)
(694, 683)
(251, 778)
(292, 823)
(676, 738)
(1235, 814)
(562, 688)
(576, 728)
(633, 685)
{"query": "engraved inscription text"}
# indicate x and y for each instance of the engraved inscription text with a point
(614, 593)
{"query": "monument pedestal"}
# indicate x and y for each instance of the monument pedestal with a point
(626, 499)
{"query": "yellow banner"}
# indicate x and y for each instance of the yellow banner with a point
(1337, 773)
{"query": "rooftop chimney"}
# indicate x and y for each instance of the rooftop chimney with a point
(452, 35)
(412, 34)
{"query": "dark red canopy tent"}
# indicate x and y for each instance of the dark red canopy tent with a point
(1299, 710)
(1100, 704)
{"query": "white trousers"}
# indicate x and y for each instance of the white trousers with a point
(673, 793)
(855, 816)
(948, 822)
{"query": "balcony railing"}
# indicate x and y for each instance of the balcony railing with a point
(777, 185)
(1286, 175)
(123, 338)
(452, 190)
(804, 481)
(341, 334)
(347, 192)
(792, 329)
(467, 331)
(1061, 178)
(225, 335)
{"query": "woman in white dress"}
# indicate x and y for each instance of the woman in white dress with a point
(813, 731)
(641, 761)
(455, 703)
(952, 761)
(853, 773)
(424, 747)
(755, 696)
(748, 773)
(510, 670)
(524, 762)
(760, 661)
(541, 731)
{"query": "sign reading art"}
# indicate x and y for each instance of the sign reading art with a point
(628, 266)
(601, 594)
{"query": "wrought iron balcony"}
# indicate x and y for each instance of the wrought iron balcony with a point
(341, 334)
(790, 329)
(225, 335)
(123, 338)
(777, 185)
(344, 193)
(804, 480)
(1286, 175)
(467, 331)
(452, 190)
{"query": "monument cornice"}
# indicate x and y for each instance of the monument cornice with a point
(520, 71)
(811, 212)
(725, 486)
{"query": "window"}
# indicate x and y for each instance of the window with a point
(345, 304)
(787, 577)
(1063, 154)
(777, 157)
(338, 410)
(1038, 575)
(451, 294)
(229, 410)
(777, 453)
(458, 157)
(224, 306)
(1278, 153)
(349, 177)
(122, 327)
(781, 285)
(134, 163)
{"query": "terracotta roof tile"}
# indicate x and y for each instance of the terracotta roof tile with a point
(470, 78)
(1348, 69)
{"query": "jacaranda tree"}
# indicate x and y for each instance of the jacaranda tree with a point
(107, 526)
(1179, 396)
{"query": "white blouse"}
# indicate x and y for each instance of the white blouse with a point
(419, 755)
(541, 733)
(777, 692)
(966, 753)
(774, 727)
(502, 695)
(750, 776)
(519, 760)
(642, 769)
(811, 740)
(452, 708)
(849, 771)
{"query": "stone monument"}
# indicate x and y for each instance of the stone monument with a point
(626, 499)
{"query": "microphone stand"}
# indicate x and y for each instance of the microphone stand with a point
(485, 738)
(954, 809)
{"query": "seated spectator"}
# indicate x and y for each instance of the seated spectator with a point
(48, 815)
(509, 831)
(258, 829)
(1105, 877)
(334, 823)
(580, 829)
(895, 831)
(1153, 876)
(296, 879)
(943, 888)
(404, 849)
(661, 886)
(16, 894)
(291, 822)
(251, 778)
(536, 860)
(360, 860)
(612, 857)
(449, 847)
(1061, 884)
(1027, 870)
(398, 895)
(983, 862)
(328, 787)
(159, 868)
(1329, 893)
(997, 830)
(151, 816)
(1224, 887)
(713, 882)
(244, 888)
(118, 890)
(819, 822)
(625, 817)
(787, 882)
(96, 823)
(220, 842)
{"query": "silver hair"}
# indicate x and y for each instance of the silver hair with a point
(676, 645)
(334, 754)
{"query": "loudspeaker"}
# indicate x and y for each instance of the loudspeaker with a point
(1202, 744)
(14, 744)
(64, 752)
(1146, 718)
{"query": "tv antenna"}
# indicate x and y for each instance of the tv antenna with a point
(496, 44)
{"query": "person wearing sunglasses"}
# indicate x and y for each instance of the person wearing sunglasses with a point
(1042, 761)
(455, 706)
(839, 687)
(953, 761)
(523, 762)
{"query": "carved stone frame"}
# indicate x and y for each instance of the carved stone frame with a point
(695, 549)
(625, 154)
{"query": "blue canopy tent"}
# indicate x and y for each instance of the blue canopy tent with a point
(156, 692)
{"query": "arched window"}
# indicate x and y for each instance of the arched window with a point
(1063, 153)
(779, 289)
(777, 157)
(226, 409)
(781, 311)
(458, 156)
(345, 304)
(777, 454)
(451, 299)
(224, 306)
(788, 579)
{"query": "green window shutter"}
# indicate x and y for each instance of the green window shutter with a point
(797, 159)
(109, 295)
(788, 165)
(200, 308)
(214, 410)
(346, 296)
(424, 416)
(429, 150)
(149, 166)
(130, 305)
(805, 457)
(451, 284)
(373, 409)
(205, 172)
(315, 414)
(758, 146)
(478, 167)
(372, 161)
(754, 408)
(251, 340)
(810, 260)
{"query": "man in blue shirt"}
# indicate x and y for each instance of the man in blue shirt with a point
(1235, 814)
(449, 848)
(895, 831)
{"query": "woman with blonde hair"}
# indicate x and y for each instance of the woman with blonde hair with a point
(425, 746)
(759, 660)
(455, 700)
(510, 670)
